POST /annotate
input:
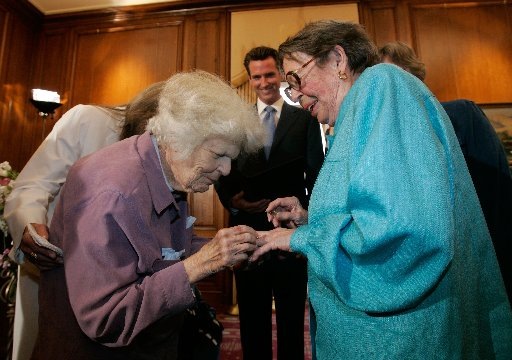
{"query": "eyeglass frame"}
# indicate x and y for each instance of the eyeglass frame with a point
(295, 76)
(293, 73)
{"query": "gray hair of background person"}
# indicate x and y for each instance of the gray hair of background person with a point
(140, 109)
(261, 53)
(320, 37)
(197, 105)
(405, 57)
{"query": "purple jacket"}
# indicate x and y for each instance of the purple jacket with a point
(115, 215)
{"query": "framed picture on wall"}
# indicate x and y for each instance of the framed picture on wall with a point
(500, 116)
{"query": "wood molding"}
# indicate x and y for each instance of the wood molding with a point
(23, 8)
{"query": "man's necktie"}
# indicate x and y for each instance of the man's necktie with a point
(270, 125)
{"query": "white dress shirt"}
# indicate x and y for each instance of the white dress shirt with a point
(278, 105)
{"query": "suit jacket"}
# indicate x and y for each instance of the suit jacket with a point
(488, 166)
(295, 159)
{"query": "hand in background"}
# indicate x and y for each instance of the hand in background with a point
(286, 211)
(43, 258)
(228, 248)
(277, 239)
(239, 202)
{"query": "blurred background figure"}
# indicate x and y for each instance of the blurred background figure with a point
(484, 154)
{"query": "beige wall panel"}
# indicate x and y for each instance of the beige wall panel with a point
(272, 27)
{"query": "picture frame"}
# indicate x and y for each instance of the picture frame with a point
(500, 116)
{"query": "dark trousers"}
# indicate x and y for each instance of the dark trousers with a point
(285, 278)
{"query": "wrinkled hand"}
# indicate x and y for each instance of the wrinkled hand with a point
(238, 202)
(43, 258)
(277, 239)
(228, 248)
(287, 211)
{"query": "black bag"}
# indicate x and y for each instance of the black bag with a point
(201, 334)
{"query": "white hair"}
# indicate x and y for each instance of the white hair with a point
(195, 106)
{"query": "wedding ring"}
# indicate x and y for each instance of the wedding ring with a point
(277, 210)
(33, 255)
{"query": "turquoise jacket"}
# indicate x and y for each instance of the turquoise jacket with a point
(400, 261)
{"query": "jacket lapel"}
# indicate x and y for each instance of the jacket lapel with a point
(283, 125)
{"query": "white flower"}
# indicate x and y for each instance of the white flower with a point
(7, 176)
(5, 169)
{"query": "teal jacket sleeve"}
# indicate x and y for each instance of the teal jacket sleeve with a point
(379, 217)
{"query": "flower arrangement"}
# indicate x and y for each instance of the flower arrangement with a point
(7, 177)
(8, 269)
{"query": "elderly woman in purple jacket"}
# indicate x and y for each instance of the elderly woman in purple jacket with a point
(130, 256)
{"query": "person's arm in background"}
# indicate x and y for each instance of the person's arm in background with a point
(80, 131)
(488, 166)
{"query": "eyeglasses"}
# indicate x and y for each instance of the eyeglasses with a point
(293, 80)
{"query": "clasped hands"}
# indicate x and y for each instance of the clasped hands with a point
(233, 246)
(287, 212)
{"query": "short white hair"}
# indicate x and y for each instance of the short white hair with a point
(195, 106)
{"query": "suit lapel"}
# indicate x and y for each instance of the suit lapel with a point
(283, 125)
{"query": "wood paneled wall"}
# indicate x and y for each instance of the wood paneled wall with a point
(108, 56)
(19, 29)
(466, 46)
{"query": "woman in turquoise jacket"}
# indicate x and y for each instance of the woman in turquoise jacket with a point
(400, 261)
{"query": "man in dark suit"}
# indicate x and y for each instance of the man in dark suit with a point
(288, 166)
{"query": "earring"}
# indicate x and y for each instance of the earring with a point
(342, 76)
